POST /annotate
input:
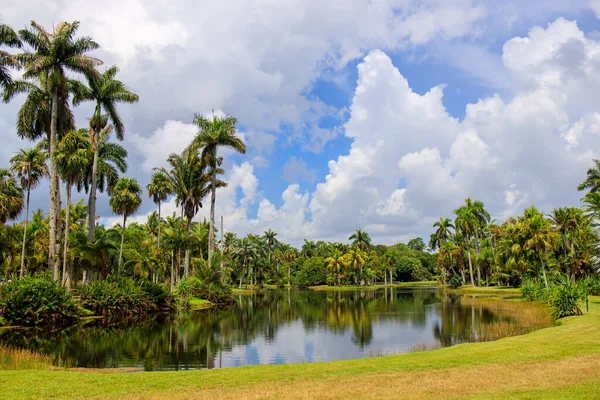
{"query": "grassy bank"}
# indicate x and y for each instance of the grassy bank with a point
(17, 359)
(554, 362)
(200, 304)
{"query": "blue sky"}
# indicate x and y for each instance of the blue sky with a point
(339, 106)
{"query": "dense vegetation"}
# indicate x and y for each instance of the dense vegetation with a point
(119, 271)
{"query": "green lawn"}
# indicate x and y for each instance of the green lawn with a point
(562, 361)
(200, 304)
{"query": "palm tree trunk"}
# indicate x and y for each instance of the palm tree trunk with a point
(91, 217)
(477, 258)
(470, 264)
(172, 270)
(187, 251)
(52, 264)
(211, 230)
(66, 239)
(121, 249)
(25, 227)
(543, 269)
(158, 240)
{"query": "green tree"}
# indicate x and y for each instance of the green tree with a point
(52, 55)
(106, 92)
(271, 239)
(360, 239)
(442, 233)
(159, 189)
(592, 180)
(416, 244)
(125, 200)
(11, 196)
(215, 133)
(336, 263)
(70, 156)
(8, 38)
(540, 236)
(30, 167)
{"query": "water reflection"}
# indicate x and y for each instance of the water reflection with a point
(277, 326)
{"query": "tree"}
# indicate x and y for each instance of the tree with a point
(540, 236)
(442, 233)
(190, 182)
(356, 259)
(360, 239)
(592, 181)
(53, 55)
(8, 38)
(30, 167)
(106, 92)
(125, 200)
(336, 263)
(464, 225)
(271, 239)
(11, 196)
(212, 135)
(71, 156)
(416, 244)
(158, 189)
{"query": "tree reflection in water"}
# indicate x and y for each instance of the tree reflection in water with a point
(273, 326)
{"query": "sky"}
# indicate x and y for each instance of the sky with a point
(381, 114)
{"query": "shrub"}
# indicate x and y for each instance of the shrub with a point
(185, 291)
(214, 292)
(592, 285)
(566, 298)
(126, 299)
(455, 282)
(37, 301)
(535, 291)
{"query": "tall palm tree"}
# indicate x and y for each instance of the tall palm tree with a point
(465, 225)
(246, 253)
(97, 252)
(361, 239)
(52, 55)
(125, 200)
(336, 263)
(271, 239)
(442, 233)
(30, 167)
(215, 133)
(356, 260)
(592, 181)
(112, 160)
(8, 38)
(540, 236)
(71, 157)
(106, 91)
(190, 182)
(479, 218)
(159, 189)
(567, 221)
(11, 196)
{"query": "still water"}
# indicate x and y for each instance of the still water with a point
(272, 327)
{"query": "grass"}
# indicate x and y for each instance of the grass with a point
(199, 304)
(561, 361)
(18, 359)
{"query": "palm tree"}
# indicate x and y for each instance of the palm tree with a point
(479, 218)
(125, 200)
(465, 225)
(30, 167)
(106, 91)
(360, 239)
(190, 183)
(442, 233)
(71, 157)
(592, 181)
(53, 55)
(8, 38)
(245, 252)
(271, 239)
(112, 159)
(336, 263)
(356, 260)
(158, 189)
(540, 236)
(11, 196)
(567, 221)
(212, 135)
(309, 248)
(97, 252)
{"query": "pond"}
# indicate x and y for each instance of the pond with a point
(273, 327)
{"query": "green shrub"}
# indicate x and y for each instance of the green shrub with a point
(567, 298)
(214, 292)
(185, 291)
(312, 272)
(455, 282)
(535, 291)
(37, 301)
(126, 299)
(592, 285)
